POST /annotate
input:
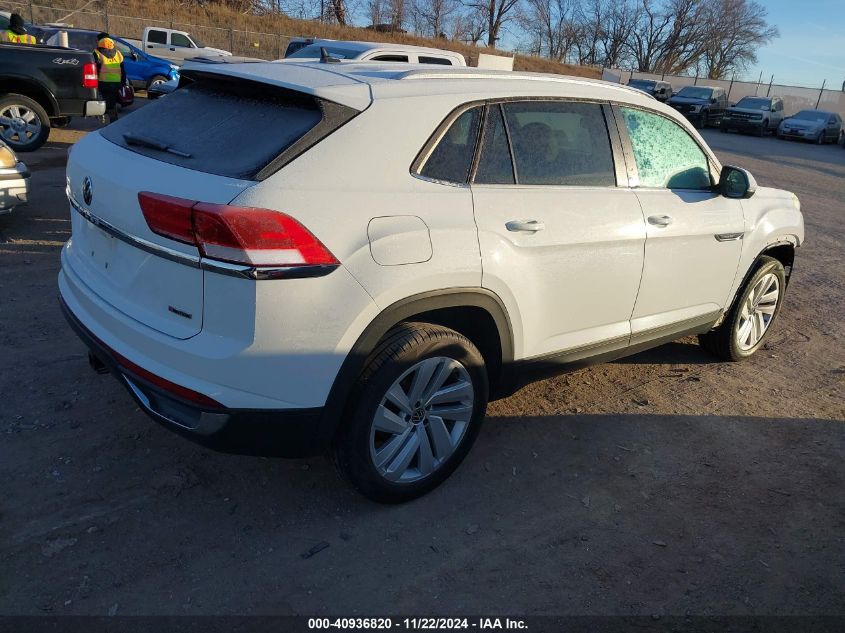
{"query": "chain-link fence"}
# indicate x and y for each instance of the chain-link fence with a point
(795, 98)
(239, 42)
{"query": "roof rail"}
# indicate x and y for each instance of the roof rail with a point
(472, 73)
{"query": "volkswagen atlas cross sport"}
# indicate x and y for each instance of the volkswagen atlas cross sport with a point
(397, 247)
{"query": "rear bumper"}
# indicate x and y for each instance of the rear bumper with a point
(281, 433)
(94, 108)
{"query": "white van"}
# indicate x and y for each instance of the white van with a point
(307, 48)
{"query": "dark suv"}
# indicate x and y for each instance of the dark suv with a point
(703, 105)
(660, 90)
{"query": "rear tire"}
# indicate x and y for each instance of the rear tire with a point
(747, 325)
(24, 124)
(415, 413)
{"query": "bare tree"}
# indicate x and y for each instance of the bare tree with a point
(551, 26)
(737, 28)
(470, 26)
(496, 13)
(433, 15)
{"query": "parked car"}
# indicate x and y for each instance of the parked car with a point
(173, 45)
(817, 126)
(356, 281)
(374, 51)
(660, 90)
(760, 115)
(40, 83)
(14, 180)
(142, 70)
(702, 105)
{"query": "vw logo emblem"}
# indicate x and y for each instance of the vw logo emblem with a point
(87, 190)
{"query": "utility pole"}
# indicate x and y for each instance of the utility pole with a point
(769, 90)
(821, 92)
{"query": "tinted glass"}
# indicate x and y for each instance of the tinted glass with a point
(666, 155)
(312, 51)
(82, 41)
(494, 164)
(811, 115)
(434, 60)
(157, 37)
(754, 103)
(212, 123)
(693, 92)
(177, 39)
(560, 143)
(452, 158)
(646, 84)
(390, 58)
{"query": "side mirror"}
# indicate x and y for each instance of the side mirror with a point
(712, 99)
(736, 182)
(134, 56)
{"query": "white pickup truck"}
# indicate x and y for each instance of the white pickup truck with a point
(176, 46)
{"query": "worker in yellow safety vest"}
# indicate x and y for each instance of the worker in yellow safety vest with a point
(111, 73)
(16, 33)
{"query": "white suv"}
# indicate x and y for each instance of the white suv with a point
(397, 246)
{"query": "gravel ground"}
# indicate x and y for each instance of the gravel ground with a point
(662, 484)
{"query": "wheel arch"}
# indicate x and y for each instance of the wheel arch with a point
(782, 250)
(478, 314)
(28, 88)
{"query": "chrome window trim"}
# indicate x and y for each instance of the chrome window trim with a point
(255, 273)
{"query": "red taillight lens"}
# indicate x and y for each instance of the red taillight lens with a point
(241, 235)
(168, 216)
(89, 76)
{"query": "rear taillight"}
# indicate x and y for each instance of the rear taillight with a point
(89, 76)
(240, 235)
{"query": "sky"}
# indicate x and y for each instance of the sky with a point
(811, 46)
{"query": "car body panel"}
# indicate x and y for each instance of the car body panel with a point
(598, 275)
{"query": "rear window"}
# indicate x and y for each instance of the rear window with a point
(219, 126)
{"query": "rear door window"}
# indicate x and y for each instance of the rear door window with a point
(451, 159)
(157, 37)
(560, 143)
(212, 126)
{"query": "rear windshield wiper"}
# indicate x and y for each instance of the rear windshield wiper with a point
(142, 141)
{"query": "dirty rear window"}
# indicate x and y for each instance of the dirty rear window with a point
(219, 126)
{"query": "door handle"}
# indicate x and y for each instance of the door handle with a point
(530, 226)
(660, 220)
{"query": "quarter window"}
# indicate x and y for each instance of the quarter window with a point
(495, 166)
(560, 143)
(452, 158)
(665, 154)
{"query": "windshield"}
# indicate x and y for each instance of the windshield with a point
(811, 115)
(642, 83)
(694, 92)
(754, 103)
(313, 52)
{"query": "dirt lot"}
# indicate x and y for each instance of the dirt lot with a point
(665, 483)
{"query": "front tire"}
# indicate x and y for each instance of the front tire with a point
(24, 124)
(417, 409)
(749, 321)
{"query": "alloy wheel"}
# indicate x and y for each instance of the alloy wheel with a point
(19, 124)
(757, 312)
(421, 420)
